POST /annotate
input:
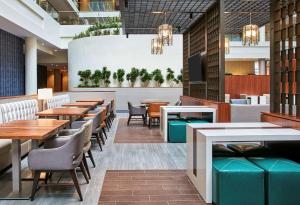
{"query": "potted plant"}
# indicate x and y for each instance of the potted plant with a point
(85, 77)
(132, 76)
(158, 77)
(95, 78)
(170, 77)
(145, 77)
(106, 76)
(119, 76)
(179, 78)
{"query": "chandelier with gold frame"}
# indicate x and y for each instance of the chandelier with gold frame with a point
(165, 33)
(250, 34)
(156, 46)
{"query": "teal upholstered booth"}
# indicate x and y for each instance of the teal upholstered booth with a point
(177, 130)
(236, 181)
(282, 178)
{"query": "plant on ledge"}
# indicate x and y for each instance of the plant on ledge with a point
(158, 77)
(132, 76)
(170, 77)
(96, 78)
(179, 78)
(85, 77)
(106, 76)
(146, 77)
(119, 76)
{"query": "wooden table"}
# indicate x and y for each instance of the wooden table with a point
(35, 130)
(64, 112)
(99, 101)
(90, 105)
(148, 101)
(201, 147)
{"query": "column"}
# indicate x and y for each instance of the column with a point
(262, 67)
(30, 65)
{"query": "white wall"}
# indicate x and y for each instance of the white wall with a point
(121, 52)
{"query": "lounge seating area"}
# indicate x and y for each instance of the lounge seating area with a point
(157, 102)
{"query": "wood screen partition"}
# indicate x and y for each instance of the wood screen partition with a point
(223, 109)
(206, 36)
(285, 51)
(247, 84)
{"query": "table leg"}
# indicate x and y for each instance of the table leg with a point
(16, 165)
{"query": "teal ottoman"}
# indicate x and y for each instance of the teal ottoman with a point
(236, 181)
(177, 131)
(282, 180)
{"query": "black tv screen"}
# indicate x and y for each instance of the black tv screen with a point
(196, 68)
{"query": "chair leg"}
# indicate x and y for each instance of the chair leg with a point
(150, 123)
(86, 166)
(104, 132)
(98, 140)
(129, 118)
(102, 138)
(47, 177)
(83, 170)
(35, 184)
(75, 181)
(91, 157)
(107, 125)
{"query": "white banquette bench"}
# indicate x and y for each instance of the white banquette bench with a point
(21, 110)
(58, 101)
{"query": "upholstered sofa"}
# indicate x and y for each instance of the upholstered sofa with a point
(58, 101)
(21, 110)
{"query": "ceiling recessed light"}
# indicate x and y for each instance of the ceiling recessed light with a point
(157, 12)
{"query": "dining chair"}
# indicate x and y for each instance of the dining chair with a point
(61, 158)
(136, 111)
(154, 112)
(66, 133)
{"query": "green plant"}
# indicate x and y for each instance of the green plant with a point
(158, 77)
(85, 78)
(179, 77)
(106, 76)
(95, 78)
(132, 76)
(170, 77)
(146, 77)
(119, 76)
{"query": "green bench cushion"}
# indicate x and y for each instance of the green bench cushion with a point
(177, 131)
(236, 181)
(282, 177)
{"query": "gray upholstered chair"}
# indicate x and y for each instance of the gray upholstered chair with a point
(67, 133)
(62, 158)
(136, 111)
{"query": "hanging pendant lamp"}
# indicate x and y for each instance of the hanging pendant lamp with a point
(250, 34)
(165, 33)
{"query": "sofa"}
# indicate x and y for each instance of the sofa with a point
(21, 110)
(58, 101)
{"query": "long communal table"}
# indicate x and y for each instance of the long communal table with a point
(201, 137)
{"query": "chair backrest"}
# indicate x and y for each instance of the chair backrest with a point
(21, 110)
(129, 107)
(96, 121)
(102, 115)
(74, 147)
(88, 131)
(155, 107)
(58, 101)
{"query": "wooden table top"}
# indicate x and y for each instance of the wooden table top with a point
(81, 104)
(148, 101)
(63, 111)
(30, 129)
(39, 123)
(99, 101)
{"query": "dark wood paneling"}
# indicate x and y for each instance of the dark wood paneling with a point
(42, 76)
(223, 109)
(12, 65)
(243, 84)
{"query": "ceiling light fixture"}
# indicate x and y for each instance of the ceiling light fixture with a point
(250, 34)
(156, 46)
(165, 33)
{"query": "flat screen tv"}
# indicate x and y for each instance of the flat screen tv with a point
(197, 70)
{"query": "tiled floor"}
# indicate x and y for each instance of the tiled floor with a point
(136, 133)
(150, 187)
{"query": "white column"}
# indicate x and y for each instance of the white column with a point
(262, 67)
(262, 34)
(30, 65)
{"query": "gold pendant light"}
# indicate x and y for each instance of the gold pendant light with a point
(156, 46)
(250, 34)
(165, 33)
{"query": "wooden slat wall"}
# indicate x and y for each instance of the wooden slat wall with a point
(247, 84)
(204, 37)
(285, 29)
